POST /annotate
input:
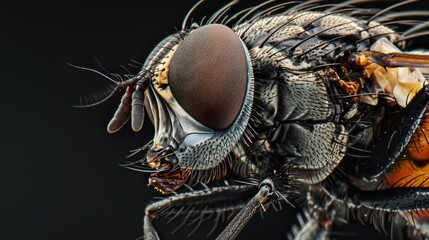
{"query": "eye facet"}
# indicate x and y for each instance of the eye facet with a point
(208, 75)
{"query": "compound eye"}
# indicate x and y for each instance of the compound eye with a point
(208, 75)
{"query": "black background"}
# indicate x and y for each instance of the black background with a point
(60, 177)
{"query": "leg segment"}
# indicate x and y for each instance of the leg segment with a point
(220, 199)
(313, 227)
(391, 143)
(241, 219)
(394, 199)
(317, 218)
(391, 60)
(386, 200)
(407, 203)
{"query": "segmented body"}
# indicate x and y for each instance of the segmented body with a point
(302, 116)
(304, 120)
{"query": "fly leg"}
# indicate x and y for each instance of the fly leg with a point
(407, 203)
(313, 226)
(317, 217)
(266, 188)
(215, 200)
(410, 204)
(401, 199)
(391, 143)
(390, 60)
(392, 200)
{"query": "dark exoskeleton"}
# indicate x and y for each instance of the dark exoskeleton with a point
(297, 103)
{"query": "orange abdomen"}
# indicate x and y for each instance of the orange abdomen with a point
(412, 169)
(418, 148)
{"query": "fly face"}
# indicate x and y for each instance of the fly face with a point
(199, 100)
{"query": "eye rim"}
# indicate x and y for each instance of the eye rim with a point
(233, 98)
(226, 139)
(193, 138)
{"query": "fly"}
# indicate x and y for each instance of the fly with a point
(284, 102)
